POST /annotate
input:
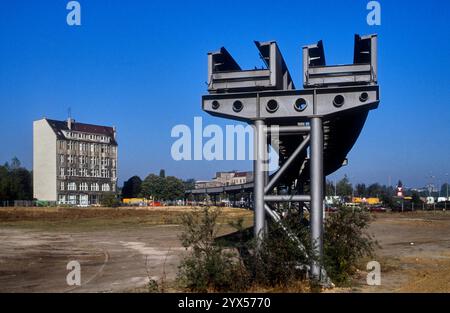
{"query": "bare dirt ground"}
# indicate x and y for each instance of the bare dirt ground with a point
(414, 252)
(121, 249)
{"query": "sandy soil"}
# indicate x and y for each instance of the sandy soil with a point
(116, 260)
(414, 253)
(120, 250)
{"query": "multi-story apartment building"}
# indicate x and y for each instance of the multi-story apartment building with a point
(73, 163)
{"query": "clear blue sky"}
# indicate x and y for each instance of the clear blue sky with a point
(141, 66)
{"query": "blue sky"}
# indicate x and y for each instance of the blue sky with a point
(141, 66)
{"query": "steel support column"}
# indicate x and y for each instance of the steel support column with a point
(259, 177)
(317, 194)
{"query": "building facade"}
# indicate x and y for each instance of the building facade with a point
(73, 163)
(226, 179)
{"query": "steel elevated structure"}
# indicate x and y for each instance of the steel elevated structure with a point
(315, 127)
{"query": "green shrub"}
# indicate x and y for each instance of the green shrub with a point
(280, 261)
(345, 242)
(208, 266)
(110, 200)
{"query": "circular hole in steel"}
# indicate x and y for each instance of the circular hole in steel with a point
(363, 97)
(215, 105)
(300, 104)
(272, 106)
(237, 106)
(338, 101)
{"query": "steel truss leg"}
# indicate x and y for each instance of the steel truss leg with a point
(259, 169)
(317, 195)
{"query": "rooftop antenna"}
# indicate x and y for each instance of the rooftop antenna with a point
(69, 113)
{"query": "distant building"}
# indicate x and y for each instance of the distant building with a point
(241, 178)
(73, 163)
(226, 179)
(200, 184)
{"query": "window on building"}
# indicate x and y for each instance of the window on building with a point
(83, 186)
(71, 186)
(72, 199)
(72, 172)
(94, 187)
(61, 171)
(83, 159)
(105, 161)
(62, 199)
(61, 186)
(105, 173)
(105, 187)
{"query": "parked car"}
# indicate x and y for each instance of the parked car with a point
(330, 208)
(377, 208)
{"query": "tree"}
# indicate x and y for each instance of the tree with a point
(444, 190)
(329, 188)
(174, 188)
(15, 164)
(4, 182)
(344, 187)
(153, 186)
(20, 184)
(360, 190)
(15, 182)
(416, 198)
(132, 187)
(189, 184)
(375, 190)
(162, 188)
